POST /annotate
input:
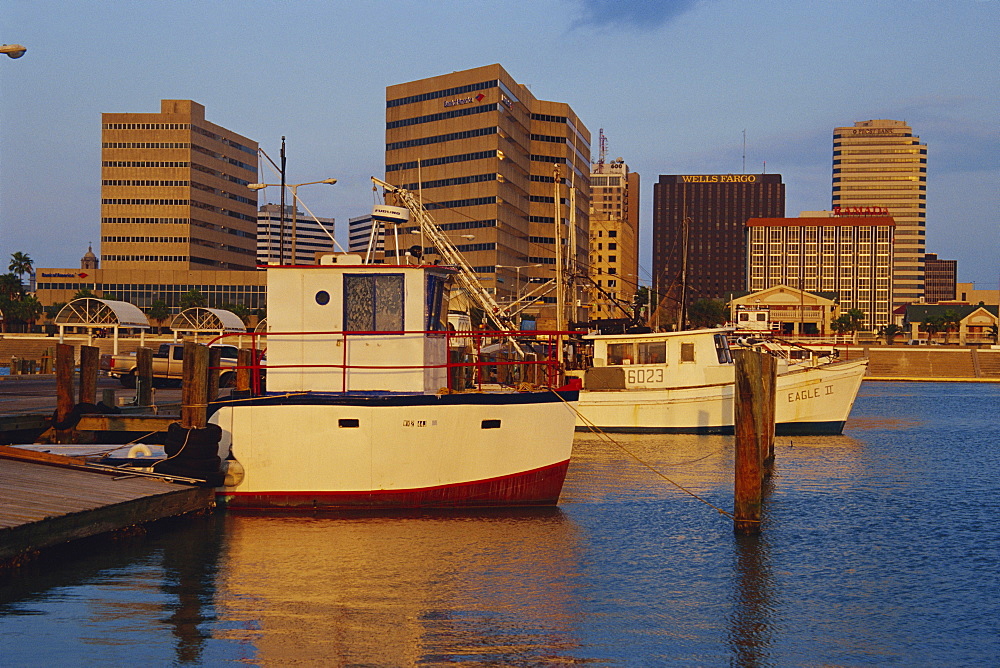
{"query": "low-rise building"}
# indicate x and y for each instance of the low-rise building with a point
(789, 312)
(964, 324)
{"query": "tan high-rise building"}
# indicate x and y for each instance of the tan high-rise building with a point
(487, 159)
(614, 239)
(174, 192)
(880, 163)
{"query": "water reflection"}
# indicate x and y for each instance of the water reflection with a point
(751, 621)
(490, 587)
(876, 549)
(190, 566)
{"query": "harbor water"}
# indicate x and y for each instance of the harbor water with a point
(879, 547)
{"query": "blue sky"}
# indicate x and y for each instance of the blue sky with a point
(673, 84)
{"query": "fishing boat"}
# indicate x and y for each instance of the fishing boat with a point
(683, 382)
(359, 410)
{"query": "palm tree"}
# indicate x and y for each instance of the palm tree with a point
(29, 309)
(192, 298)
(11, 287)
(11, 300)
(20, 264)
(240, 310)
(890, 332)
(158, 311)
(842, 324)
(949, 321)
(84, 293)
(932, 325)
(52, 310)
(856, 317)
(707, 313)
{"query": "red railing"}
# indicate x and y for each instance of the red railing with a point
(472, 360)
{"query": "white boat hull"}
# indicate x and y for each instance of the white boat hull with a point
(411, 451)
(813, 400)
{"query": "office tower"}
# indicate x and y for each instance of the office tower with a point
(305, 236)
(174, 191)
(487, 159)
(706, 214)
(614, 238)
(850, 256)
(881, 163)
(940, 279)
(359, 235)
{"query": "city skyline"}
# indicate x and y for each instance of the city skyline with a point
(676, 87)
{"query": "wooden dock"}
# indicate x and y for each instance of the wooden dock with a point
(49, 500)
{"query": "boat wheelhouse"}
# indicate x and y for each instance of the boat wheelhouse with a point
(358, 412)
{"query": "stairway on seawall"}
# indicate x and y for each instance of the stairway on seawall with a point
(921, 363)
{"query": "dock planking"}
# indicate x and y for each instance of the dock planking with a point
(48, 500)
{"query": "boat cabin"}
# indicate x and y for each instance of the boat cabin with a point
(344, 326)
(659, 360)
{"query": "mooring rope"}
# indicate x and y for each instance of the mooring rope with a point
(608, 439)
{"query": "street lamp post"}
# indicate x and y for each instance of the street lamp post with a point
(517, 280)
(294, 187)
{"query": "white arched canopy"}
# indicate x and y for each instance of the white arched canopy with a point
(200, 320)
(100, 314)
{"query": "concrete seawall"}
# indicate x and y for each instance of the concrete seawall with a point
(930, 363)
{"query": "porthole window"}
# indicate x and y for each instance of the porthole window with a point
(322, 297)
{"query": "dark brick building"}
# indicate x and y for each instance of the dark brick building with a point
(940, 278)
(717, 207)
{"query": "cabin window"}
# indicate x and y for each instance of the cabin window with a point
(620, 353)
(722, 349)
(653, 352)
(373, 302)
(687, 352)
(437, 311)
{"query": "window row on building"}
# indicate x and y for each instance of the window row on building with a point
(144, 240)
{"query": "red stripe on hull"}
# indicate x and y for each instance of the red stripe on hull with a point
(540, 487)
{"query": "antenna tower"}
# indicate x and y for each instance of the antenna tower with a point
(603, 144)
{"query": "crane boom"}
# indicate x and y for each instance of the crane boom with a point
(498, 316)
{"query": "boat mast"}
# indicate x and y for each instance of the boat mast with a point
(685, 225)
(560, 291)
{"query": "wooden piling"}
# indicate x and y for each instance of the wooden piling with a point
(769, 386)
(90, 366)
(64, 390)
(144, 376)
(753, 415)
(214, 364)
(194, 387)
(244, 360)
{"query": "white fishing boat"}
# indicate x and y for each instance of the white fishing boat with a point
(683, 382)
(358, 412)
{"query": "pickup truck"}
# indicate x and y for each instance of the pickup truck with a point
(168, 365)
